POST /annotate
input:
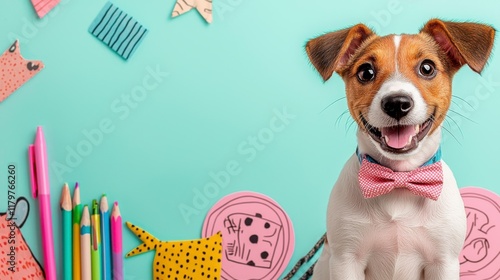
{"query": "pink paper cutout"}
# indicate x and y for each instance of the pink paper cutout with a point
(15, 70)
(480, 256)
(257, 236)
(42, 7)
(20, 263)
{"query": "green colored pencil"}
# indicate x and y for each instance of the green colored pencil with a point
(67, 233)
(95, 244)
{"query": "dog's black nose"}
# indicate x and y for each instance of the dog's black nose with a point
(397, 106)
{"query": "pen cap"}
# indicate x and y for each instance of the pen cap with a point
(38, 165)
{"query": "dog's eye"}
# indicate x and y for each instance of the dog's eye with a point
(427, 69)
(366, 73)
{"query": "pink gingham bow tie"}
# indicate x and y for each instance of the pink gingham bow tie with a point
(375, 179)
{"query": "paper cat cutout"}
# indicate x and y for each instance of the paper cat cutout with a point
(17, 261)
(189, 259)
(15, 70)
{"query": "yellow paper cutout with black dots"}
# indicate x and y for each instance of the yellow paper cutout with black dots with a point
(189, 259)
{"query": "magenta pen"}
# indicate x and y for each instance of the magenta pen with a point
(40, 188)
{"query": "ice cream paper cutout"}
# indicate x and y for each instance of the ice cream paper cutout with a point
(189, 259)
(43, 7)
(117, 30)
(15, 70)
(480, 256)
(204, 7)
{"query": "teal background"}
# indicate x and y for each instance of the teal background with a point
(226, 81)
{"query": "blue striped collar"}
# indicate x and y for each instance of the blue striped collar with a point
(432, 160)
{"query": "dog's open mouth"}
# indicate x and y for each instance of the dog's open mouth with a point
(400, 138)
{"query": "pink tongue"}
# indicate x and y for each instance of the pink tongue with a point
(398, 137)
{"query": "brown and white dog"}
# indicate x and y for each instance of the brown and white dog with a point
(398, 91)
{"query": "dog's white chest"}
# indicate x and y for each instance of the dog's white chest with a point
(400, 208)
(399, 224)
(396, 234)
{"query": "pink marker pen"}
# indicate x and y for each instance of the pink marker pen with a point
(40, 188)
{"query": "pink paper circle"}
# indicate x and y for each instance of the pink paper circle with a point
(480, 256)
(257, 236)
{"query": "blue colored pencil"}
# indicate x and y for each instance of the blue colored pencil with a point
(106, 240)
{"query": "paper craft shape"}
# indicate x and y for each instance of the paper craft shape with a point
(480, 256)
(189, 259)
(15, 70)
(258, 235)
(43, 7)
(117, 30)
(17, 261)
(204, 7)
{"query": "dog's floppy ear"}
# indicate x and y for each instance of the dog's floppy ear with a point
(463, 42)
(331, 51)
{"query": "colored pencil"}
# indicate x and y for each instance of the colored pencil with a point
(77, 216)
(95, 249)
(67, 233)
(106, 241)
(85, 266)
(116, 242)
